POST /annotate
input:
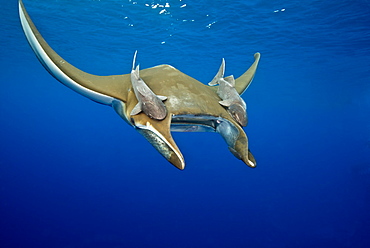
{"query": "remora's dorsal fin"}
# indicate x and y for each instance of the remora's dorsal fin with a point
(220, 74)
(102, 89)
(230, 80)
(243, 82)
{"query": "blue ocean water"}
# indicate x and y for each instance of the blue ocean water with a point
(74, 175)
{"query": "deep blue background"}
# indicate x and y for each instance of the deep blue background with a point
(73, 174)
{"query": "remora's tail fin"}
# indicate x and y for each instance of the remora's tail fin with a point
(134, 60)
(220, 74)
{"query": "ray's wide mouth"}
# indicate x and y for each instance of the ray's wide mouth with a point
(206, 123)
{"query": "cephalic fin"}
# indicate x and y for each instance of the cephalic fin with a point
(220, 74)
(159, 135)
(137, 109)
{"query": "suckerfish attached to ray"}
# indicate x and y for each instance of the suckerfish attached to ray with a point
(148, 102)
(230, 97)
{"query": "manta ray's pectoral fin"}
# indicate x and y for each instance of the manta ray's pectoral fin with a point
(243, 82)
(102, 89)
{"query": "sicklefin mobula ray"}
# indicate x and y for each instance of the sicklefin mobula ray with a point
(190, 106)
